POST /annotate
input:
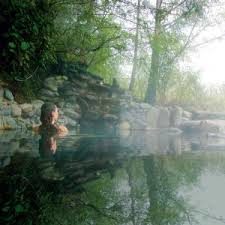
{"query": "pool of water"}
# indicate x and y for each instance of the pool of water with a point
(128, 179)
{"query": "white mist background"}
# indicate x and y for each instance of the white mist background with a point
(209, 60)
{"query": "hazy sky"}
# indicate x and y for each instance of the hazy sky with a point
(210, 61)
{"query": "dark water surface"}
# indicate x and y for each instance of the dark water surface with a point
(129, 179)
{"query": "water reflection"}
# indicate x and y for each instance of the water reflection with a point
(138, 179)
(47, 145)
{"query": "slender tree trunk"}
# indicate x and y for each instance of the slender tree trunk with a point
(134, 69)
(132, 197)
(150, 96)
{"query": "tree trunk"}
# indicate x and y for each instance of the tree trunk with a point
(150, 96)
(134, 69)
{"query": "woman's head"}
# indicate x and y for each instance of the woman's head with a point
(49, 114)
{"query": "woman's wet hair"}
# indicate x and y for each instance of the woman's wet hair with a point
(46, 118)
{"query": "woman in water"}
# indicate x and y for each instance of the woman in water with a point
(49, 117)
(49, 130)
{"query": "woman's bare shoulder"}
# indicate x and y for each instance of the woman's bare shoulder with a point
(63, 130)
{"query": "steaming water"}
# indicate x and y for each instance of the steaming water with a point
(132, 178)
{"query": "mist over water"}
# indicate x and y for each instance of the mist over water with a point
(135, 178)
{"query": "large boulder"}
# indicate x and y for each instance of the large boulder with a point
(48, 93)
(7, 123)
(175, 116)
(205, 115)
(200, 126)
(152, 117)
(53, 83)
(92, 115)
(71, 113)
(186, 115)
(164, 118)
(16, 110)
(37, 106)
(124, 129)
(218, 125)
(5, 110)
(27, 110)
(8, 95)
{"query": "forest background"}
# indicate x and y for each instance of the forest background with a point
(143, 44)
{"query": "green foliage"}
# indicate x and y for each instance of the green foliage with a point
(25, 38)
(87, 34)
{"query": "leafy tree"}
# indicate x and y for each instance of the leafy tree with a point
(135, 62)
(25, 37)
(170, 17)
(87, 34)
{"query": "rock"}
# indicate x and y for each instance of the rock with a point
(124, 125)
(13, 146)
(175, 116)
(48, 93)
(72, 114)
(67, 85)
(164, 118)
(152, 116)
(71, 99)
(5, 110)
(138, 124)
(35, 121)
(8, 95)
(23, 124)
(37, 107)
(5, 161)
(69, 122)
(125, 115)
(91, 97)
(67, 93)
(1, 93)
(27, 110)
(37, 103)
(127, 96)
(92, 115)
(77, 108)
(16, 110)
(110, 117)
(200, 126)
(216, 125)
(187, 115)
(204, 115)
(26, 107)
(61, 104)
(50, 99)
(7, 123)
(145, 106)
(61, 79)
(124, 129)
(79, 84)
(68, 105)
(51, 174)
(173, 131)
(51, 84)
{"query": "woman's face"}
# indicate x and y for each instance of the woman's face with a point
(55, 115)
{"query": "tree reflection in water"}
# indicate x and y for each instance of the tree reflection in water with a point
(147, 191)
(96, 184)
